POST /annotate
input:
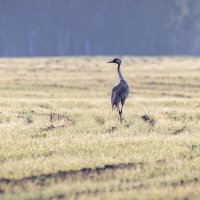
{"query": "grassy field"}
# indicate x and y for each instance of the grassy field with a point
(61, 140)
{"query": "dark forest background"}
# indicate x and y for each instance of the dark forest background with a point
(99, 27)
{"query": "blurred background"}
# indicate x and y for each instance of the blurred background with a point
(105, 27)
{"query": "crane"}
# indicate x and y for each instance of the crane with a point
(120, 92)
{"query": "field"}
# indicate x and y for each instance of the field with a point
(60, 138)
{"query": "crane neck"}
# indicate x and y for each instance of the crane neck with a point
(119, 73)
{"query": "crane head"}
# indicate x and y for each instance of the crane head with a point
(116, 60)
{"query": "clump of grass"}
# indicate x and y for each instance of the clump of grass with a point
(4, 119)
(177, 130)
(29, 120)
(99, 120)
(177, 116)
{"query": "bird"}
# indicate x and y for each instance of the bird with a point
(119, 92)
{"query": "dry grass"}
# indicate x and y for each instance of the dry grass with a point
(60, 139)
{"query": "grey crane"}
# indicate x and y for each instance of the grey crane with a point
(120, 92)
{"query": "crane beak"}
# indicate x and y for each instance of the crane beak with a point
(111, 61)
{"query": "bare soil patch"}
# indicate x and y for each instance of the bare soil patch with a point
(148, 119)
(64, 120)
(72, 174)
(56, 117)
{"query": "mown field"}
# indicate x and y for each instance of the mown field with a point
(59, 138)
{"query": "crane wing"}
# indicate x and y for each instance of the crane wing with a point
(119, 94)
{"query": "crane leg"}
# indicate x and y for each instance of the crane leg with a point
(120, 113)
(120, 116)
